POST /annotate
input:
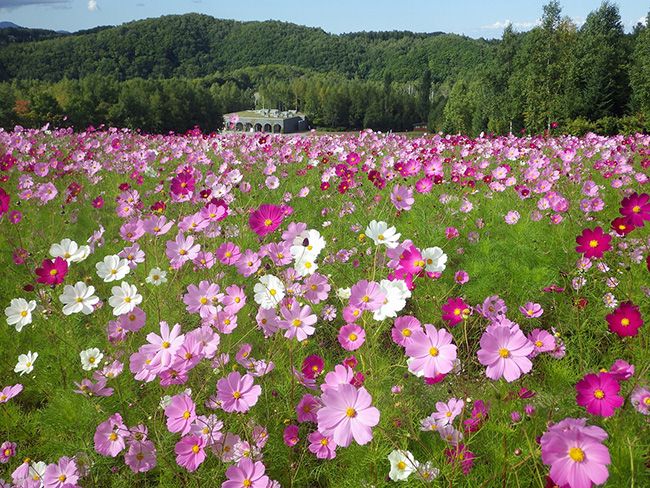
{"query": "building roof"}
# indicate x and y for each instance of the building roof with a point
(266, 114)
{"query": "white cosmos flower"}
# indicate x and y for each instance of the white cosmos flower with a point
(396, 294)
(112, 268)
(19, 312)
(380, 233)
(157, 277)
(90, 358)
(37, 470)
(125, 298)
(26, 363)
(307, 242)
(402, 464)
(269, 291)
(305, 266)
(344, 293)
(70, 251)
(434, 260)
(78, 298)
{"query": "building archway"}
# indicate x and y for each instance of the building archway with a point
(239, 127)
(277, 128)
(248, 126)
(267, 127)
(258, 127)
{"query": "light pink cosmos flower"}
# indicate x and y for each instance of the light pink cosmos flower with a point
(202, 299)
(164, 346)
(367, 295)
(402, 197)
(247, 474)
(542, 340)
(190, 452)
(141, 456)
(181, 250)
(157, 225)
(351, 337)
(61, 474)
(228, 253)
(531, 310)
(8, 392)
(307, 408)
(180, 413)
(640, 399)
(109, 436)
(504, 351)
(323, 446)
(237, 393)
(298, 321)
(431, 352)
(446, 412)
(347, 414)
(402, 331)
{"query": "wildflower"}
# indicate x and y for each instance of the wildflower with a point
(265, 219)
(367, 295)
(380, 233)
(435, 260)
(351, 337)
(504, 351)
(290, 435)
(346, 414)
(70, 251)
(190, 452)
(7, 451)
(246, 473)
(626, 320)
(141, 456)
(298, 321)
(78, 298)
(636, 209)
(531, 310)
(542, 340)
(62, 473)
(156, 277)
(52, 272)
(599, 394)
(593, 242)
(90, 358)
(110, 436)
(180, 413)
(640, 399)
(431, 352)
(237, 393)
(323, 446)
(460, 454)
(8, 392)
(402, 331)
(512, 217)
(402, 197)
(26, 363)
(402, 465)
(446, 412)
(124, 299)
(455, 311)
(19, 312)
(269, 291)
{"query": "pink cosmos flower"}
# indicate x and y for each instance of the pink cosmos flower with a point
(531, 310)
(307, 408)
(593, 242)
(202, 299)
(367, 295)
(459, 454)
(7, 451)
(446, 412)
(640, 400)
(8, 392)
(346, 414)
(298, 321)
(461, 277)
(52, 271)
(190, 452)
(237, 393)
(180, 413)
(504, 351)
(577, 459)
(228, 253)
(157, 225)
(626, 320)
(351, 337)
(402, 331)
(141, 456)
(61, 474)
(265, 219)
(182, 184)
(402, 197)
(636, 208)
(109, 436)
(316, 288)
(312, 366)
(621, 370)
(323, 446)
(599, 394)
(248, 263)
(542, 340)
(290, 435)
(181, 250)
(246, 473)
(431, 352)
(164, 346)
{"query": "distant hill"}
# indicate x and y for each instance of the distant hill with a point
(7, 25)
(195, 45)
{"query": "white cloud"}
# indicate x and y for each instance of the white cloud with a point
(502, 24)
(92, 5)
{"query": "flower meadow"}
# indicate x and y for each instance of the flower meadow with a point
(353, 310)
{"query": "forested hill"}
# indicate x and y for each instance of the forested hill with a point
(195, 45)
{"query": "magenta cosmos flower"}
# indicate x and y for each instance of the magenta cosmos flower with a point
(577, 459)
(52, 271)
(247, 474)
(599, 394)
(347, 413)
(190, 452)
(431, 352)
(323, 446)
(455, 311)
(504, 352)
(636, 208)
(593, 242)
(265, 219)
(290, 435)
(180, 413)
(237, 393)
(625, 320)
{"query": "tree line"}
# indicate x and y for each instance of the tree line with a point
(154, 76)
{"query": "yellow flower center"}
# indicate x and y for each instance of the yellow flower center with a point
(625, 322)
(127, 299)
(24, 313)
(268, 222)
(186, 414)
(247, 483)
(401, 465)
(165, 345)
(236, 395)
(599, 394)
(352, 337)
(434, 351)
(593, 243)
(351, 412)
(538, 343)
(636, 209)
(195, 448)
(272, 292)
(457, 311)
(53, 272)
(296, 323)
(406, 332)
(62, 478)
(504, 353)
(203, 300)
(577, 454)
(113, 436)
(323, 441)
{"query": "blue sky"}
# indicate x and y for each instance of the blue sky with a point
(475, 18)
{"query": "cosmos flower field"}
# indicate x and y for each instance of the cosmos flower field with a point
(353, 310)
